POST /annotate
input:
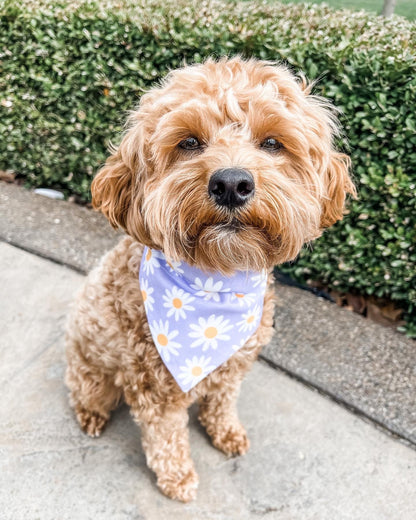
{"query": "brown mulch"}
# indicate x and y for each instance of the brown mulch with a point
(381, 310)
(7, 176)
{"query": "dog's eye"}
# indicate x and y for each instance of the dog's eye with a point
(190, 143)
(271, 144)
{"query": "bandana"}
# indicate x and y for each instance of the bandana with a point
(198, 320)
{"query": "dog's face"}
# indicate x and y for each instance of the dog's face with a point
(227, 165)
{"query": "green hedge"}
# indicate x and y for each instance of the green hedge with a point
(69, 71)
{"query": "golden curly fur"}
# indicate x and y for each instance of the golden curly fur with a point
(157, 191)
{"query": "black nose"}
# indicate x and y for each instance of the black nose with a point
(231, 187)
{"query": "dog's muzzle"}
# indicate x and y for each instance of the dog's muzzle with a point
(231, 187)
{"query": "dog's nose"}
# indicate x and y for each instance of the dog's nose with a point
(231, 187)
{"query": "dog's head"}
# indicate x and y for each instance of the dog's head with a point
(228, 165)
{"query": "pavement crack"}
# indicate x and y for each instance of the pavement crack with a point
(265, 510)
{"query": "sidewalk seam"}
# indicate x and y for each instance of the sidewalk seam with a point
(45, 256)
(341, 402)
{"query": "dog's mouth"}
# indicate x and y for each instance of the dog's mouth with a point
(232, 244)
(234, 226)
(220, 228)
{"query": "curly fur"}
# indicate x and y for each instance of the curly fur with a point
(158, 193)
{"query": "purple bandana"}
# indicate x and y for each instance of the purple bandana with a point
(197, 319)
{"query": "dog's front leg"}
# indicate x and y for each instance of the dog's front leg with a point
(166, 444)
(218, 414)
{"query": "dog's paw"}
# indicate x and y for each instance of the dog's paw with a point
(92, 423)
(180, 487)
(233, 441)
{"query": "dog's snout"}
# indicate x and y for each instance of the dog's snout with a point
(231, 187)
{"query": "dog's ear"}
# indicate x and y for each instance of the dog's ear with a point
(322, 126)
(111, 190)
(333, 167)
(119, 182)
(337, 184)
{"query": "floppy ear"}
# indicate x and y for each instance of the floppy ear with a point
(338, 184)
(118, 184)
(112, 190)
(333, 167)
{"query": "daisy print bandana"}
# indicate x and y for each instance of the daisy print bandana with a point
(198, 320)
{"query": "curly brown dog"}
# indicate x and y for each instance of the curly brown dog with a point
(278, 183)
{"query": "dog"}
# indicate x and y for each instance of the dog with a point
(227, 168)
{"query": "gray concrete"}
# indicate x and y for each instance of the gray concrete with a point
(65, 232)
(310, 459)
(364, 365)
(368, 367)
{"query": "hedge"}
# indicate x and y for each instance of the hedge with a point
(70, 70)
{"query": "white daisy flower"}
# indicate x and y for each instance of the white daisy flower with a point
(243, 299)
(175, 266)
(177, 301)
(163, 339)
(147, 291)
(209, 290)
(209, 332)
(260, 279)
(195, 370)
(251, 317)
(150, 262)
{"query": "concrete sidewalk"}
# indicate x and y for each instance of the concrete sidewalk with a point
(310, 458)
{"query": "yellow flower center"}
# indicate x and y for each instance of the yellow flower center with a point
(210, 332)
(239, 295)
(196, 371)
(162, 340)
(250, 319)
(144, 295)
(177, 303)
(148, 255)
